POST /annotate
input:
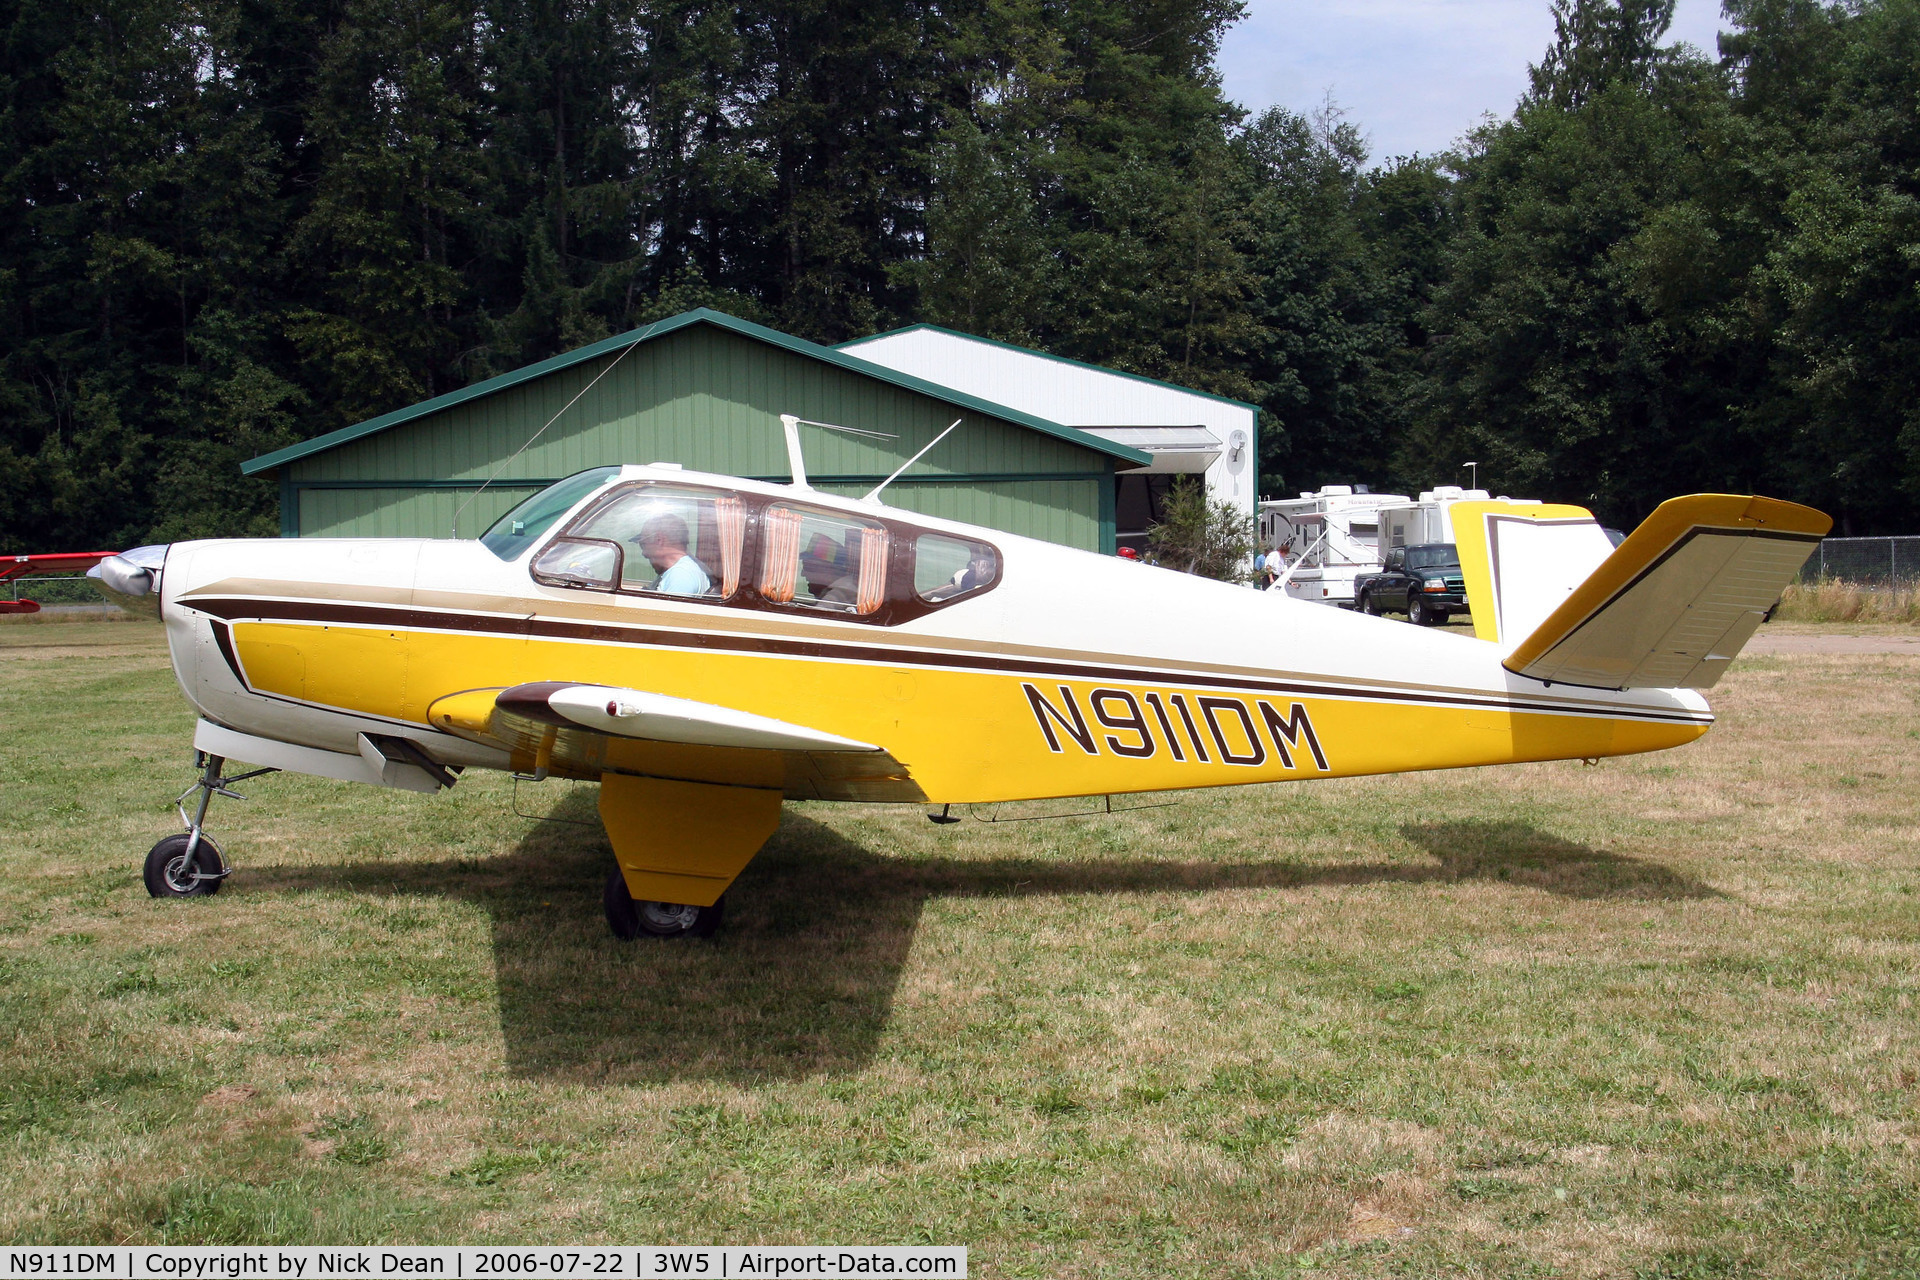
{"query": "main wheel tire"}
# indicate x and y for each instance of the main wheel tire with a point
(1420, 613)
(168, 875)
(630, 918)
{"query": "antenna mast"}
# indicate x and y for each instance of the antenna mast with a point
(797, 464)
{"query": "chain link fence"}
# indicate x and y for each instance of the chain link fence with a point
(50, 591)
(1884, 562)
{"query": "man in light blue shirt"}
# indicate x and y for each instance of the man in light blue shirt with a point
(663, 540)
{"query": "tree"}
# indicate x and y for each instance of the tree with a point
(1831, 97)
(1346, 261)
(1206, 536)
(1587, 338)
(1598, 44)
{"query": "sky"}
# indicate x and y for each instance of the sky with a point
(1412, 74)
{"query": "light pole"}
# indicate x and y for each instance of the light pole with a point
(1474, 481)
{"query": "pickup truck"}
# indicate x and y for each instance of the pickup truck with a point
(1422, 582)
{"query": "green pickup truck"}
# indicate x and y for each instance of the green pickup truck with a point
(1422, 582)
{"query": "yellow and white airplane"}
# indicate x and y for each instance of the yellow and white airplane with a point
(707, 647)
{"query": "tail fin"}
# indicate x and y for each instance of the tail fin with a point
(1521, 561)
(1673, 605)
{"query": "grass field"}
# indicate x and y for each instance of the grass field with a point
(1651, 1018)
(1832, 600)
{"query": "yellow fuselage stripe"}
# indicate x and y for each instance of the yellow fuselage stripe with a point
(965, 735)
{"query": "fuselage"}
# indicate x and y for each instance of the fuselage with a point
(1071, 674)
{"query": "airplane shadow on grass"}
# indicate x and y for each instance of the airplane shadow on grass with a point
(801, 980)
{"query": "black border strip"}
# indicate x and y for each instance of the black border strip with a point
(223, 641)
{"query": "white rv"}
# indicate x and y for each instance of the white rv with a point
(1429, 519)
(1327, 537)
(1334, 536)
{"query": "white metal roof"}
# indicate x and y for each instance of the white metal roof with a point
(1066, 391)
(1102, 402)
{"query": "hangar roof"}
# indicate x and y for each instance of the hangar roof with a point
(1092, 394)
(660, 328)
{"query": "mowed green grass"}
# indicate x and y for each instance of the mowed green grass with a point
(1654, 1017)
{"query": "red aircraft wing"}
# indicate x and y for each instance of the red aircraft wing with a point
(61, 564)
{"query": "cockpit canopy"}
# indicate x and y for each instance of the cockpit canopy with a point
(743, 550)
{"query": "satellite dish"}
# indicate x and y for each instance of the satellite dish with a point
(1237, 452)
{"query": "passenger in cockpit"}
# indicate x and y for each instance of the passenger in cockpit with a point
(663, 540)
(824, 566)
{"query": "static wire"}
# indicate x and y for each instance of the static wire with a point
(647, 333)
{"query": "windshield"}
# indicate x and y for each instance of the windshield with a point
(515, 531)
(1441, 555)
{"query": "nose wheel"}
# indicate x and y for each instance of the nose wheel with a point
(190, 865)
(185, 866)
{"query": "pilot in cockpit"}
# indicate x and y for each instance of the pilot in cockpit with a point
(663, 540)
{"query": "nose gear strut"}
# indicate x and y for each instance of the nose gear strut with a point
(190, 865)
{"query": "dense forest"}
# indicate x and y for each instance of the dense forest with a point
(227, 225)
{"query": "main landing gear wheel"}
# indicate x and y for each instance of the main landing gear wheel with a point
(631, 919)
(170, 873)
(1422, 614)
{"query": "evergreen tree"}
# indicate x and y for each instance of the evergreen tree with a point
(1346, 260)
(1582, 349)
(1203, 535)
(230, 225)
(396, 119)
(1833, 100)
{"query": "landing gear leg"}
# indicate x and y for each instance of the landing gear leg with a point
(678, 846)
(190, 865)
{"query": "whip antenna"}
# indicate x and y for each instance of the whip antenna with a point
(874, 495)
(550, 421)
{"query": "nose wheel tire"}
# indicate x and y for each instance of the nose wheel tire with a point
(630, 918)
(169, 875)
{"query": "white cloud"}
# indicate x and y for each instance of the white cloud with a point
(1412, 74)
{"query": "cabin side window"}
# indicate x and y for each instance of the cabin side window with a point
(585, 564)
(667, 540)
(947, 568)
(823, 560)
(682, 542)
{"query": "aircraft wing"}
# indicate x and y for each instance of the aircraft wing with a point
(13, 568)
(1675, 603)
(59, 563)
(588, 729)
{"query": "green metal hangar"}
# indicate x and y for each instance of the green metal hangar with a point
(704, 390)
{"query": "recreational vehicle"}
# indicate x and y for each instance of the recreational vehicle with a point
(1325, 538)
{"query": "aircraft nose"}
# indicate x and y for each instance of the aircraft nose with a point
(132, 578)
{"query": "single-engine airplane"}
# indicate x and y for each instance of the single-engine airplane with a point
(706, 647)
